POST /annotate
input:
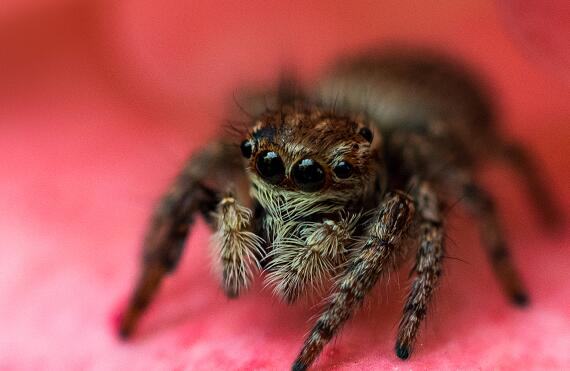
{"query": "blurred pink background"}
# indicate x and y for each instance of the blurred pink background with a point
(100, 103)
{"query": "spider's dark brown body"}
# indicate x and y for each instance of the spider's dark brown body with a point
(345, 183)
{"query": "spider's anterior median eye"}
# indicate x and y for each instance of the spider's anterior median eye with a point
(308, 175)
(270, 167)
(343, 170)
(246, 148)
(366, 133)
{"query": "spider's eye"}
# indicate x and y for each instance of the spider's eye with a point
(366, 133)
(308, 175)
(246, 148)
(270, 167)
(343, 170)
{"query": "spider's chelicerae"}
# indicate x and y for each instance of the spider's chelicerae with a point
(342, 185)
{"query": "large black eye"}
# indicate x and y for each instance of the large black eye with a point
(343, 170)
(366, 133)
(308, 175)
(270, 167)
(246, 148)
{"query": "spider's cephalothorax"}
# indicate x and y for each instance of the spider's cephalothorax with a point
(343, 183)
(314, 161)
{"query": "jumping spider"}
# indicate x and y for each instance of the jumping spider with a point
(343, 185)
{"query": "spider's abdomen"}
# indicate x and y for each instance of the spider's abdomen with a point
(411, 91)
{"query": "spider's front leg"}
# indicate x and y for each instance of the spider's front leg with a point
(164, 242)
(373, 257)
(427, 268)
(194, 191)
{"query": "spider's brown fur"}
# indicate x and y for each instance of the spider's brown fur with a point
(390, 140)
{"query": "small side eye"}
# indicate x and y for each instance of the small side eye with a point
(366, 133)
(308, 175)
(246, 148)
(343, 170)
(270, 167)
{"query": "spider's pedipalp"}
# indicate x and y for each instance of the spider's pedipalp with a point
(238, 250)
(307, 260)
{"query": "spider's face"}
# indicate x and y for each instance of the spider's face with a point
(309, 154)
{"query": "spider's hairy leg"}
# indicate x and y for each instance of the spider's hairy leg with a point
(427, 268)
(481, 204)
(530, 174)
(164, 242)
(239, 250)
(374, 256)
(195, 190)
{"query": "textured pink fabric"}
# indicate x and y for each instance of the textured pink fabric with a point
(101, 101)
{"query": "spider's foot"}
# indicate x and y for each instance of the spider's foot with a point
(231, 293)
(125, 331)
(125, 325)
(298, 366)
(120, 324)
(520, 299)
(403, 352)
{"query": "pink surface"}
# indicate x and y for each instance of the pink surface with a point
(101, 101)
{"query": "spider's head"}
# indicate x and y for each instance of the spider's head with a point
(310, 157)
